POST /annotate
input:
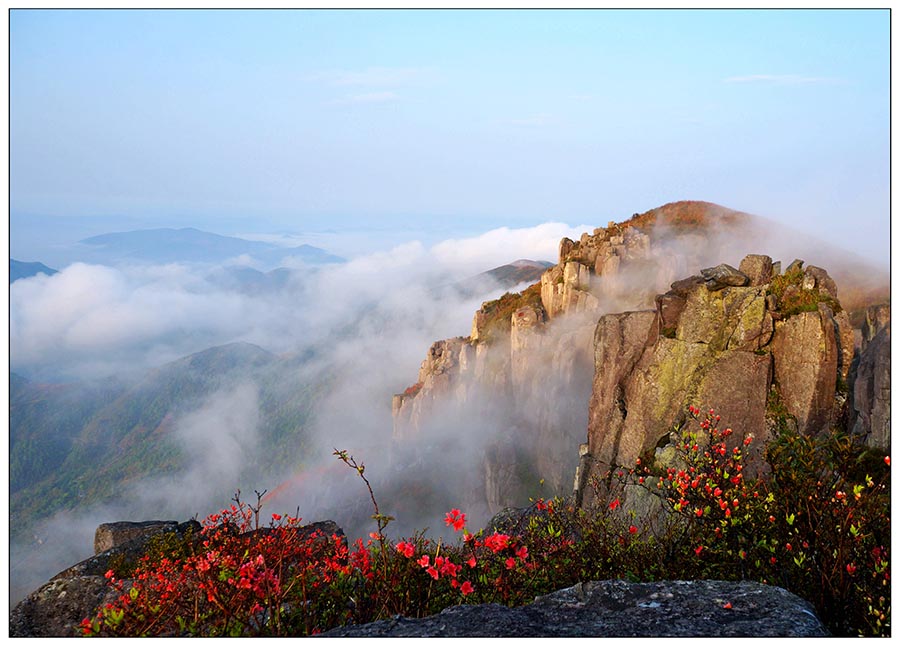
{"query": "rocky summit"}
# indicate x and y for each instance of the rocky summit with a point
(621, 609)
(595, 365)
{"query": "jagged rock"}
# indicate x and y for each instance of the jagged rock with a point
(806, 358)
(722, 276)
(565, 248)
(621, 609)
(57, 608)
(757, 268)
(109, 535)
(877, 317)
(686, 285)
(872, 391)
(796, 265)
(669, 307)
(817, 278)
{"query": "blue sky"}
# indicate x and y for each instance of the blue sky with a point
(442, 120)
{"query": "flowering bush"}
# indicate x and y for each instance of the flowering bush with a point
(818, 526)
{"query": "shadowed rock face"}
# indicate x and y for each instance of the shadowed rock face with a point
(872, 385)
(621, 609)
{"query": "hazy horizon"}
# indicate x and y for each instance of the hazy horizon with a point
(440, 124)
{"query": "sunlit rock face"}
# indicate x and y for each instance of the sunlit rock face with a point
(635, 322)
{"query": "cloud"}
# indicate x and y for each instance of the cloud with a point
(534, 243)
(782, 79)
(93, 320)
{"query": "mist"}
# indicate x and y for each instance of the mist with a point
(366, 326)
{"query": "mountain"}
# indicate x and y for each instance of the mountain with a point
(19, 269)
(637, 320)
(505, 276)
(80, 442)
(193, 245)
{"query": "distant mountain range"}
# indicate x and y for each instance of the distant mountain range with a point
(193, 245)
(19, 269)
(505, 276)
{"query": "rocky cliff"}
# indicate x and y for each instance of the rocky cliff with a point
(611, 341)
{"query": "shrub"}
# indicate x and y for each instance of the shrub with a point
(819, 527)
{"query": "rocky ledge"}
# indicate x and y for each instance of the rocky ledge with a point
(621, 609)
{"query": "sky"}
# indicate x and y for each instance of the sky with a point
(432, 124)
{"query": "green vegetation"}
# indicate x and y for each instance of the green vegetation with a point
(498, 313)
(819, 526)
(793, 299)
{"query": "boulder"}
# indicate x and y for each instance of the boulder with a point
(109, 535)
(757, 268)
(621, 609)
(57, 608)
(722, 276)
(817, 278)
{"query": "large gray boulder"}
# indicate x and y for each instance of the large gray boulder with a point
(621, 609)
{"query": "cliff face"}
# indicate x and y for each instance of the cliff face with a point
(526, 369)
(599, 344)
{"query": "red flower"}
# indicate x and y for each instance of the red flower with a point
(424, 561)
(851, 569)
(433, 573)
(510, 563)
(698, 549)
(698, 512)
(455, 518)
(496, 542)
(406, 549)
(466, 588)
(614, 504)
(471, 562)
(727, 606)
(632, 530)
(522, 553)
(276, 517)
(887, 460)
(109, 574)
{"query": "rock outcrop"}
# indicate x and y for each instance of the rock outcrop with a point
(57, 608)
(539, 366)
(871, 394)
(715, 340)
(621, 609)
